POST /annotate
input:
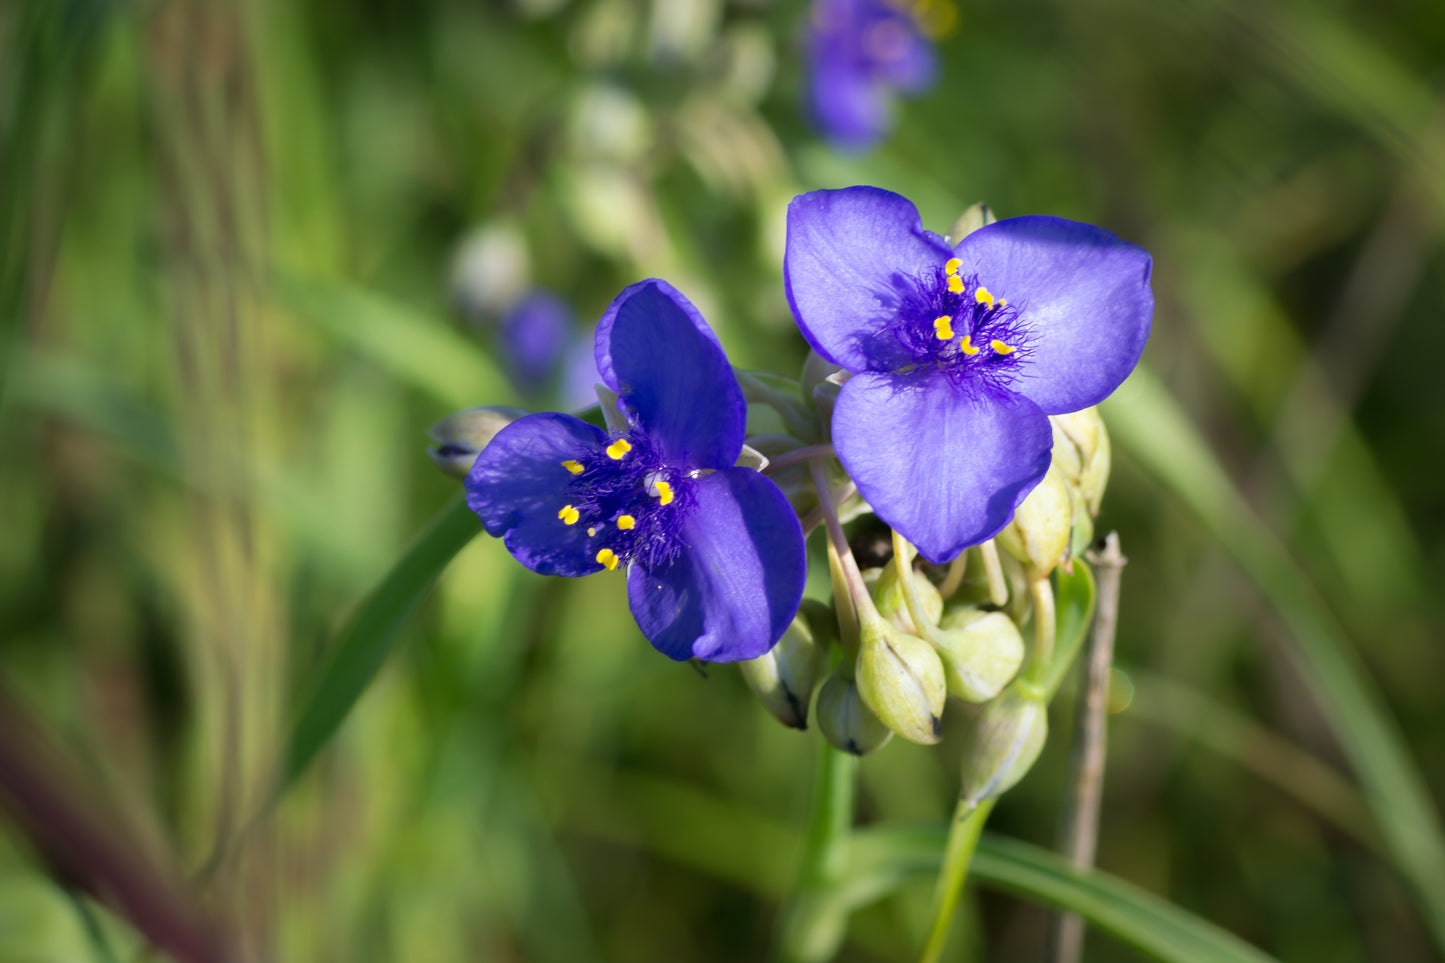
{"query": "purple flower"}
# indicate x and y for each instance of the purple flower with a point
(534, 335)
(714, 554)
(958, 355)
(860, 52)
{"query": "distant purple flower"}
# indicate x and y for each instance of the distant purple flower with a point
(958, 355)
(860, 53)
(714, 554)
(534, 336)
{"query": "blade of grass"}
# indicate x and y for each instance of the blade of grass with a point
(371, 632)
(1149, 425)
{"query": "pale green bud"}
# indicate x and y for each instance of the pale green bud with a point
(1039, 532)
(1081, 451)
(1096, 472)
(784, 678)
(461, 436)
(977, 216)
(848, 723)
(886, 587)
(1007, 737)
(901, 679)
(981, 652)
(490, 271)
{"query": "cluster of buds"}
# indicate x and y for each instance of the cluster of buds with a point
(909, 635)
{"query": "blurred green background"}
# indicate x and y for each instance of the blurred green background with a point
(232, 303)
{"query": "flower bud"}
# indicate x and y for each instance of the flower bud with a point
(900, 678)
(490, 271)
(977, 216)
(783, 678)
(461, 436)
(1039, 532)
(981, 652)
(1007, 737)
(1081, 451)
(886, 586)
(847, 723)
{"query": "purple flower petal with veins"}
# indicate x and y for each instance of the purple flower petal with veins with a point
(961, 353)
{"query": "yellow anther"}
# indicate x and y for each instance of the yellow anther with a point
(575, 467)
(966, 346)
(618, 448)
(608, 558)
(951, 266)
(955, 284)
(943, 327)
(1000, 347)
(983, 297)
(569, 515)
(626, 522)
(663, 491)
(591, 530)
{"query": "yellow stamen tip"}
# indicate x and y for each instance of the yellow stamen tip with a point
(575, 467)
(943, 327)
(955, 284)
(618, 448)
(569, 515)
(607, 557)
(951, 266)
(966, 346)
(663, 491)
(626, 522)
(982, 296)
(1000, 347)
(591, 530)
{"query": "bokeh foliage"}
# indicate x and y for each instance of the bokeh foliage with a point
(226, 237)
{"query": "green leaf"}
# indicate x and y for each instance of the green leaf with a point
(1074, 598)
(371, 632)
(1147, 422)
(883, 859)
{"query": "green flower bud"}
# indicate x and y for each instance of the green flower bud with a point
(848, 723)
(784, 678)
(977, 216)
(1081, 451)
(886, 587)
(901, 679)
(1007, 737)
(981, 652)
(490, 271)
(1039, 532)
(461, 436)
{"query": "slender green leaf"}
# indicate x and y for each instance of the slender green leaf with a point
(1148, 423)
(371, 632)
(883, 859)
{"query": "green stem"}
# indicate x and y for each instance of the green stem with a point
(815, 922)
(1045, 628)
(963, 836)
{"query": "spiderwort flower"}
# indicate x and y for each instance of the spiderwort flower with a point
(714, 553)
(958, 354)
(860, 52)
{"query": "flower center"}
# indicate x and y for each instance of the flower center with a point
(954, 324)
(629, 501)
